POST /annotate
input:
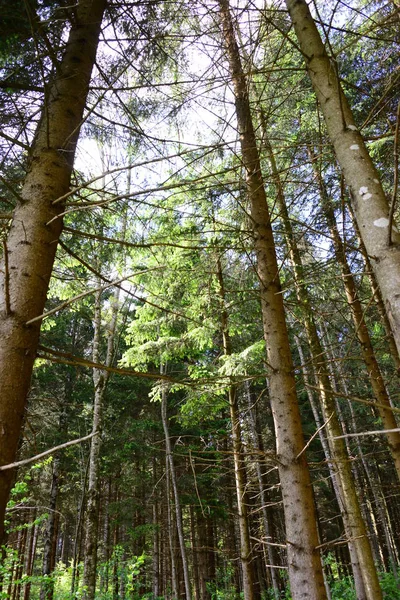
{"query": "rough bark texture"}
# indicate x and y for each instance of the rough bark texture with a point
(171, 533)
(178, 509)
(360, 326)
(47, 587)
(355, 563)
(100, 380)
(305, 571)
(368, 198)
(349, 500)
(246, 559)
(272, 563)
(32, 242)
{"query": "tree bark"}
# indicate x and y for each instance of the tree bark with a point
(355, 563)
(367, 351)
(32, 240)
(178, 509)
(171, 533)
(349, 499)
(30, 558)
(47, 587)
(305, 570)
(246, 559)
(100, 379)
(367, 195)
(255, 439)
(378, 300)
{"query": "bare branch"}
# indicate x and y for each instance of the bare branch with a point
(26, 461)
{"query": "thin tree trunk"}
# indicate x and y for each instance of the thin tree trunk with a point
(49, 559)
(20, 564)
(106, 540)
(195, 554)
(78, 536)
(360, 472)
(305, 570)
(171, 531)
(115, 578)
(156, 553)
(355, 563)
(378, 301)
(47, 587)
(32, 240)
(238, 456)
(30, 558)
(100, 379)
(368, 198)
(178, 509)
(367, 351)
(349, 499)
(156, 535)
(231, 549)
(271, 554)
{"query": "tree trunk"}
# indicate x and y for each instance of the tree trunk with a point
(246, 559)
(100, 379)
(78, 536)
(171, 533)
(106, 540)
(271, 554)
(195, 555)
(378, 300)
(367, 195)
(349, 499)
(49, 558)
(178, 509)
(32, 240)
(305, 570)
(367, 351)
(355, 563)
(47, 587)
(20, 564)
(156, 536)
(30, 558)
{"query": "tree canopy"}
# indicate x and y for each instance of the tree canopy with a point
(199, 300)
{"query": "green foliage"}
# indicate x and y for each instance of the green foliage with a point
(343, 589)
(390, 586)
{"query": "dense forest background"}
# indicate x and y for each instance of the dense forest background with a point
(203, 400)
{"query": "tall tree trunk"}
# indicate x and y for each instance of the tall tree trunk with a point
(156, 535)
(100, 379)
(378, 299)
(273, 566)
(171, 532)
(355, 563)
(32, 240)
(349, 499)
(305, 570)
(374, 373)
(30, 557)
(16, 592)
(367, 195)
(246, 559)
(337, 376)
(156, 553)
(178, 509)
(115, 578)
(47, 586)
(78, 537)
(195, 555)
(229, 534)
(206, 559)
(106, 540)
